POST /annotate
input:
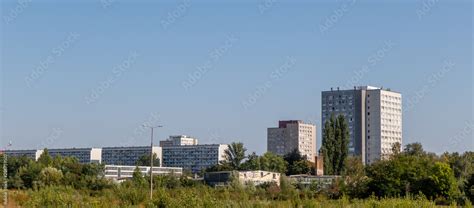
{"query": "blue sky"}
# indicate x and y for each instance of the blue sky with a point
(91, 73)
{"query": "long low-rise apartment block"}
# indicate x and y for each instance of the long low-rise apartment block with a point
(120, 172)
(177, 151)
(127, 155)
(107, 155)
(193, 157)
(83, 155)
(31, 154)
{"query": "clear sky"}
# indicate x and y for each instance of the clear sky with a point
(91, 73)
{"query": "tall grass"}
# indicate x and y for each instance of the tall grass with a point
(201, 196)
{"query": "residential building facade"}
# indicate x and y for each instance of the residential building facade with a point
(83, 155)
(128, 156)
(31, 154)
(119, 172)
(193, 157)
(291, 135)
(258, 177)
(306, 181)
(178, 141)
(374, 117)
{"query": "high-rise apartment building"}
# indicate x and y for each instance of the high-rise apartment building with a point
(374, 117)
(291, 135)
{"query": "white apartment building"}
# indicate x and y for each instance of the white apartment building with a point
(384, 123)
(374, 117)
(178, 141)
(291, 135)
(120, 172)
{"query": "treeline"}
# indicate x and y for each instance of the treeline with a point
(25, 173)
(292, 163)
(445, 179)
(410, 174)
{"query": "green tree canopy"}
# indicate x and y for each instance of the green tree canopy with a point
(144, 160)
(50, 176)
(412, 172)
(45, 159)
(297, 164)
(335, 147)
(234, 155)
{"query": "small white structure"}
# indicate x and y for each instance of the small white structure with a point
(323, 182)
(118, 172)
(259, 177)
(225, 178)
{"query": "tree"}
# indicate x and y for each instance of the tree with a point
(234, 155)
(138, 178)
(355, 179)
(45, 159)
(272, 162)
(396, 147)
(441, 181)
(412, 172)
(415, 149)
(29, 174)
(252, 163)
(297, 164)
(462, 165)
(144, 160)
(469, 188)
(335, 147)
(50, 176)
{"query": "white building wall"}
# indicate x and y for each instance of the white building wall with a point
(159, 154)
(384, 124)
(259, 177)
(38, 154)
(96, 155)
(296, 135)
(222, 149)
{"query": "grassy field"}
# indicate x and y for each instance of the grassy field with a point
(190, 197)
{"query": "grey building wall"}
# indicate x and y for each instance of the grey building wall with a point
(124, 155)
(31, 154)
(193, 157)
(350, 104)
(83, 155)
(373, 115)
